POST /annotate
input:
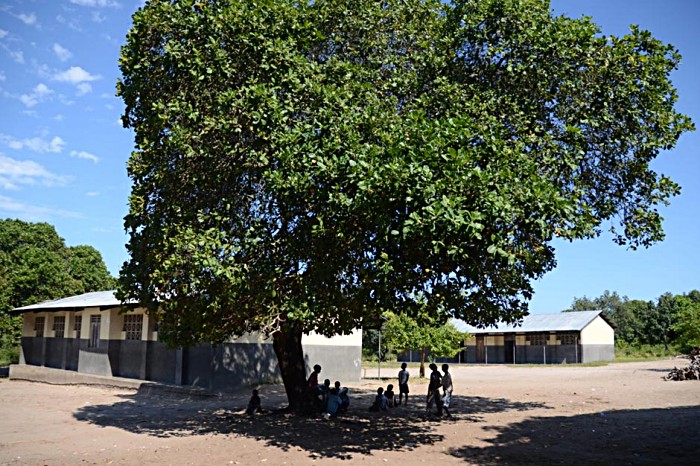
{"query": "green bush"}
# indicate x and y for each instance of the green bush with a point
(9, 352)
(627, 351)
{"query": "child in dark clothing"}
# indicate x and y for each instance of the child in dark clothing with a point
(380, 401)
(390, 396)
(253, 404)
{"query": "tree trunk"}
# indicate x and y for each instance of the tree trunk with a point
(290, 358)
(421, 371)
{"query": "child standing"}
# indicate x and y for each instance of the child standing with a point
(403, 383)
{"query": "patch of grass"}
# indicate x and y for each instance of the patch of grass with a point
(624, 352)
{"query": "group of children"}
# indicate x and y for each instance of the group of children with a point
(332, 401)
(329, 401)
(387, 398)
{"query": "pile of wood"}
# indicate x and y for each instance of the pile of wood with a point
(692, 372)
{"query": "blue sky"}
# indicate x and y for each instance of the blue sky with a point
(63, 151)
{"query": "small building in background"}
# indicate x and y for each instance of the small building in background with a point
(94, 334)
(564, 337)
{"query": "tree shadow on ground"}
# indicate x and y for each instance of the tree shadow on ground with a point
(356, 432)
(650, 436)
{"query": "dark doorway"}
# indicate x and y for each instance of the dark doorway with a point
(480, 350)
(509, 349)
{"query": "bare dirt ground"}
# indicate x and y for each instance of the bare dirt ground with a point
(623, 413)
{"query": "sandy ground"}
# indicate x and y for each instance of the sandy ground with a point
(615, 414)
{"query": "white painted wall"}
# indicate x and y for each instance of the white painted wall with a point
(598, 332)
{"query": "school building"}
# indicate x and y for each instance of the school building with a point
(564, 337)
(94, 334)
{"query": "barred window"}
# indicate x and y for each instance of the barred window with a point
(537, 339)
(59, 326)
(39, 326)
(78, 325)
(568, 338)
(133, 325)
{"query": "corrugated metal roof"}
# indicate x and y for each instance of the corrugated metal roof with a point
(94, 299)
(559, 322)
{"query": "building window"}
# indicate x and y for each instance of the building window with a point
(78, 325)
(133, 325)
(568, 338)
(59, 326)
(39, 326)
(537, 339)
(94, 341)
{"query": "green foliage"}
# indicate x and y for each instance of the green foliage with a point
(306, 166)
(639, 352)
(687, 322)
(642, 326)
(35, 266)
(403, 333)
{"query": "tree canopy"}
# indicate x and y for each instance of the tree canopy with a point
(36, 265)
(306, 166)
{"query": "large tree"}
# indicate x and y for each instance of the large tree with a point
(36, 265)
(306, 166)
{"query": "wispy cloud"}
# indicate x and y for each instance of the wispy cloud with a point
(17, 56)
(84, 155)
(31, 212)
(62, 53)
(98, 17)
(2, 76)
(14, 173)
(96, 3)
(3, 33)
(27, 18)
(37, 144)
(70, 22)
(38, 94)
(92, 194)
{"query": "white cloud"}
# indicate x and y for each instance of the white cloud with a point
(96, 3)
(58, 117)
(2, 76)
(84, 155)
(75, 75)
(14, 173)
(62, 53)
(27, 19)
(37, 95)
(84, 88)
(40, 145)
(3, 33)
(31, 212)
(92, 194)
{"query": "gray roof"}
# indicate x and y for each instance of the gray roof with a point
(100, 299)
(559, 322)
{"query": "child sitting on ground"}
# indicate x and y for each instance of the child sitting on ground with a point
(380, 401)
(390, 396)
(334, 402)
(253, 404)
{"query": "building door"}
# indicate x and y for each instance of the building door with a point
(509, 348)
(94, 332)
(480, 349)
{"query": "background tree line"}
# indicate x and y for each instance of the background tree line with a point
(671, 320)
(35, 266)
